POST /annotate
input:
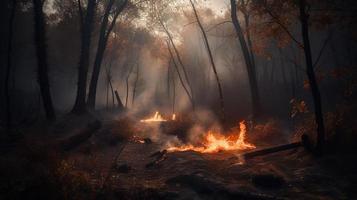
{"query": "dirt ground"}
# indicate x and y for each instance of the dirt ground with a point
(133, 170)
(112, 165)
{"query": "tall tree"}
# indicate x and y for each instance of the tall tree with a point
(219, 85)
(86, 33)
(105, 30)
(304, 18)
(12, 5)
(248, 61)
(41, 53)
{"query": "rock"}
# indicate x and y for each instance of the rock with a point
(269, 181)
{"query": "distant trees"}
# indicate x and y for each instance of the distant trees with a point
(41, 53)
(284, 17)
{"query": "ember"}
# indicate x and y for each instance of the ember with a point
(215, 142)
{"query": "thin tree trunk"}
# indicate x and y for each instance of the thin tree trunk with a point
(311, 76)
(112, 90)
(127, 86)
(80, 103)
(247, 57)
(41, 52)
(249, 41)
(135, 83)
(107, 105)
(102, 44)
(120, 103)
(168, 80)
(180, 77)
(180, 62)
(9, 63)
(219, 85)
(173, 93)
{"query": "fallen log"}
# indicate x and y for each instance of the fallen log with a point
(270, 150)
(77, 138)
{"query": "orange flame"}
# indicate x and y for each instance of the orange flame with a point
(156, 118)
(215, 142)
(173, 117)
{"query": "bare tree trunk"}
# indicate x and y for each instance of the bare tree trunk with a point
(9, 63)
(127, 86)
(311, 76)
(135, 83)
(180, 77)
(173, 93)
(108, 82)
(102, 44)
(220, 91)
(249, 41)
(86, 33)
(180, 62)
(168, 80)
(120, 104)
(247, 57)
(112, 90)
(41, 52)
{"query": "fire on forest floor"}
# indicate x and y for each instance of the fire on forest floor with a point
(210, 141)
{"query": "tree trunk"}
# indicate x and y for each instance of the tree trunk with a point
(80, 103)
(120, 104)
(135, 84)
(311, 76)
(9, 63)
(180, 77)
(219, 85)
(190, 91)
(41, 53)
(102, 44)
(127, 86)
(247, 57)
(173, 93)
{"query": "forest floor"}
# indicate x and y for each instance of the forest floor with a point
(110, 165)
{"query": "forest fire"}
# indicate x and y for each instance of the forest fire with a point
(156, 118)
(215, 142)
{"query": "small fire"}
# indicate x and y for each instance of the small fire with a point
(173, 117)
(215, 142)
(156, 118)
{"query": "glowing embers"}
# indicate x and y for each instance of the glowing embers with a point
(215, 142)
(156, 118)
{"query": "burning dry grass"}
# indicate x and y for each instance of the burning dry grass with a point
(213, 142)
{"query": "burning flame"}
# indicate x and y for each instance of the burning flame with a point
(215, 142)
(156, 118)
(173, 117)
